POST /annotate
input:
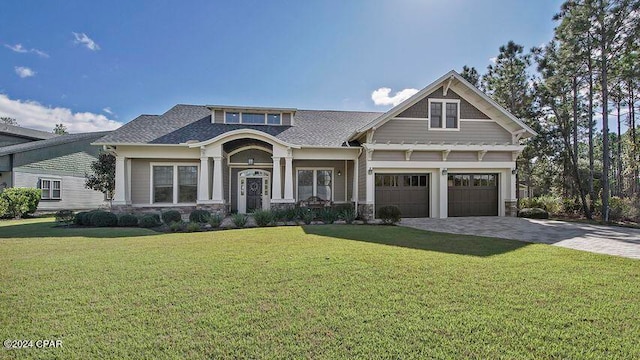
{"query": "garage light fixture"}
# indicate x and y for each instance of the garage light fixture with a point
(370, 171)
(444, 172)
(514, 172)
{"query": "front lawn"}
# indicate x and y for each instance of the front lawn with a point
(315, 292)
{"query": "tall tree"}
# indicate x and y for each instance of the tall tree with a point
(60, 129)
(8, 121)
(471, 75)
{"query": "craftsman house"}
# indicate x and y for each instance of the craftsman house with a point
(449, 150)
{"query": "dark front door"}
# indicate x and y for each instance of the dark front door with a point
(473, 194)
(409, 192)
(254, 194)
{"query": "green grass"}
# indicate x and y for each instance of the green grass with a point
(315, 292)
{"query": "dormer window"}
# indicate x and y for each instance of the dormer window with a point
(444, 114)
(252, 118)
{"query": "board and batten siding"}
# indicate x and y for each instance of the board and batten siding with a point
(421, 108)
(74, 196)
(410, 131)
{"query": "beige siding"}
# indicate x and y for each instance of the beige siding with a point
(409, 131)
(286, 119)
(421, 108)
(362, 177)
(426, 156)
(388, 156)
(234, 188)
(74, 196)
(350, 174)
(498, 156)
(338, 181)
(5, 180)
(225, 179)
(258, 156)
(463, 156)
(140, 178)
(218, 117)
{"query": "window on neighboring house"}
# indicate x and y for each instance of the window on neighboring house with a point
(252, 118)
(51, 189)
(444, 114)
(174, 184)
(315, 182)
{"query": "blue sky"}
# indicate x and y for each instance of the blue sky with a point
(94, 64)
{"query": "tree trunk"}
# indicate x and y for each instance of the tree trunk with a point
(592, 193)
(619, 182)
(605, 117)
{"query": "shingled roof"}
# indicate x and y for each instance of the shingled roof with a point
(57, 140)
(25, 132)
(319, 128)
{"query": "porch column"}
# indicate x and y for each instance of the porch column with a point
(203, 184)
(443, 193)
(120, 194)
(276, 180)
(288, 179)
(217, 180)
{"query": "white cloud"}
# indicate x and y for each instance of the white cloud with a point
(21, 49)
(24, 72)
(108, 110)
(31, 114)
(82, 38)
(382, 96)
(17, 48)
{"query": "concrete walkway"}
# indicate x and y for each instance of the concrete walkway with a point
(601, 239)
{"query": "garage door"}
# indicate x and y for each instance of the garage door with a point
(473, 194)
(409, 192)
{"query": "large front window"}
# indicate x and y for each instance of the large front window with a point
(174, 184)
(315, 182)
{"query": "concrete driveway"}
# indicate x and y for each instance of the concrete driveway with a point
(601, 239)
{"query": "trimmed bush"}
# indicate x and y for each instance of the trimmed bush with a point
(291, 214)
(279, 215)
(19, 202)
(77, 219)
(176, 226)
(199, 216)
(552, 204)
(263, 217)
(103, 219)
(171, 216)
(65, 217)
(348, 215)
(328, 215)
(239, 220)
(127, 220)
(193, 227)
(216, 220)
(389, 214)
(533, 213)
(149, 221)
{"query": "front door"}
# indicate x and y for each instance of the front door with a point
(254, 194)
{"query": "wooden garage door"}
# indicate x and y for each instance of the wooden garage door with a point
(473, 194)
(409, 192)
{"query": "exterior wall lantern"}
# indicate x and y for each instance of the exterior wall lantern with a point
(370, 171)
(444, 172)
(514, 172)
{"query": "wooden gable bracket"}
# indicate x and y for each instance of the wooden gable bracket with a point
(516, 136)
(481, 154)
(445, 154)
(369, 154)
(370, 135)
(514, 155)
(407, 154)
(447, 86)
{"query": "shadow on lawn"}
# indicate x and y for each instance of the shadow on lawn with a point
(419, 239)
(50, 230)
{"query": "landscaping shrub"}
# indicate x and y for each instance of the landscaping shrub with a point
(127, 220)
(348, 215)
(569, 206)
(103, 219)
(620, 208)
(328, 215)
(18, 202)
(79, 217)
(263, 217)
(291, 214)
(149, 221)
(389, 214)
(279, 215)
(239, 220)
(533, 213)
(176, 226)
(85, 218)
(199, 216)
(65, 217)
(171, 216)
(307, 215)
(193, 227)
(216, 220)
(552, 204)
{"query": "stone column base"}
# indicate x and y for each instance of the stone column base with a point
(365, 211)
(282, 206)
(511, 208)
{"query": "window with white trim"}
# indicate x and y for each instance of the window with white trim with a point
(444, 114)
(51, 189)
(174, 184)
(252, 118)
(315, 182)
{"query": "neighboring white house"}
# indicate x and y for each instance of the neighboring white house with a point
(447, 151)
